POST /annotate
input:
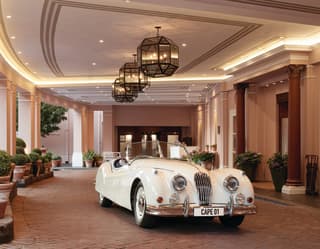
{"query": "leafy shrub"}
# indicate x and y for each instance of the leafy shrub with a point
(20, 150)
(5, 163)
(250, 159)
(20, 159)
(56, 157)
(89, 155)
(278, 160)
(20, 142)
(34, 157)
(204, 156)
(37, 150)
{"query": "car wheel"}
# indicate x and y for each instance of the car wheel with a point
(139, 208)
(104, 202)
(231, 221)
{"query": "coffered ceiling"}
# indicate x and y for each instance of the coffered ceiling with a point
(75, 48)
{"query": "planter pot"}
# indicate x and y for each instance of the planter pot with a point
(18, 172)
(279, 177)
(207, 164)
(5, 179)
(98, 162)
(56, 163)
(3, 206)
(5, 188)
(47, 167)
(88, 163)
(28, 169)
(250, 171)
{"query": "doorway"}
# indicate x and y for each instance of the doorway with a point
(282, 101)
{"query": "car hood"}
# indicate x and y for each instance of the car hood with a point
(178, 166)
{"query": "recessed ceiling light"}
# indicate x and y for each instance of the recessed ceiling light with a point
(19, 52)
(127, 1)
(26, 63)
(93, 64)
(8, 17)
(184, 44)
(12, 37)
(101, 41)
(97, 87)
(35, 72)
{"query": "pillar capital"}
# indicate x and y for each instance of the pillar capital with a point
(295, 70)
(239, 86)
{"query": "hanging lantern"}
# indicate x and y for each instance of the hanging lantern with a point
(133, 76)
(122, 92)
(158, 56)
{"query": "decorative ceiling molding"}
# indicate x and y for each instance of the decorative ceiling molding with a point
(52, 9)
(281, 5)
(8, 45)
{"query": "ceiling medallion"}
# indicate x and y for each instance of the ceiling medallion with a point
(122, 92)
(133, 76)
(158, 56)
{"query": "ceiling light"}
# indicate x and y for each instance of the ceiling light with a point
(12, 37)
(184, 44)
(26, 63)
(19, 52)
(8, 17)
(133, 76)
(93, 64)
(97, 87)
(158, 56)
(101, 41)
(123, 93)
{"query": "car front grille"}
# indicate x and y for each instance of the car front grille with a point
(203, 185)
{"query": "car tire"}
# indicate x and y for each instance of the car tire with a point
(142, 219)
(104, 202)
(231, 221)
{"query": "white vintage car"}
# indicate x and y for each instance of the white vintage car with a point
(153, 186)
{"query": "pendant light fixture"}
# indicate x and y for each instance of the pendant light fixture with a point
(123, 92)
(133, 76)
(158, 56)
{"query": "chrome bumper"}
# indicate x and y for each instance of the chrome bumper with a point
(187, 210)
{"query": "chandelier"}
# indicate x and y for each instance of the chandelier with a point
(133, 76)
(158, 56)
(122, 92)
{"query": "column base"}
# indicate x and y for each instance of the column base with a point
(293, 190)
(77, 160)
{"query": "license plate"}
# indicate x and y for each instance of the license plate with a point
(208, 211)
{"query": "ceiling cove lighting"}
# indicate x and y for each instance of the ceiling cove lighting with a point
(123, 93)
(158, 56)
(133, 76)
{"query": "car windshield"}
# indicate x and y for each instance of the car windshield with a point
(157, 149)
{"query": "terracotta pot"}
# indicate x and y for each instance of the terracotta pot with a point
(5, 179)
(28, 169)
(5, 188)
(56, 163)
(18, 172)
(88, 163)
(99, 162)
(3, 206)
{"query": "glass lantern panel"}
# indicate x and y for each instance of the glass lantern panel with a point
(164, 53)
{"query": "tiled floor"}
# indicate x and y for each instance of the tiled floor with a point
(266, 190)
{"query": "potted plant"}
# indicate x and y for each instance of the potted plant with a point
(98, 159)
(37, 150)
(56, 161)
(5, 167)
(88, 157)
(20, 143)
(204, 158)
(47, 161)
(278, 165)
(34, 157)
(20, 161)
(248, 162)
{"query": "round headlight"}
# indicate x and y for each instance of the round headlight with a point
(179, 182)
(231, 183)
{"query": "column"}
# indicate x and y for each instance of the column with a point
(26, 119)
(108, 128)
(87, 129)
(77, 138)
(37, 120)
(294, 183)
(8, 120)
(240, 116)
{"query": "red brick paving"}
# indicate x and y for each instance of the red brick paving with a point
(63, 212)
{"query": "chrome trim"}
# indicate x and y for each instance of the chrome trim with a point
(187, 209)
(203, 184)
